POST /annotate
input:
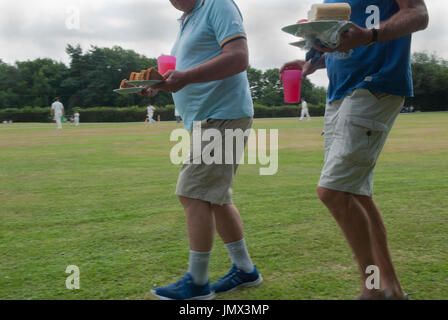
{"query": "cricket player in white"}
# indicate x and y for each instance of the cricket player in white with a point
(76, 119)
(305, 111)
(177, 115)
(57, 112)
(150, 119)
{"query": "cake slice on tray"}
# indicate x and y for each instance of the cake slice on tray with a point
(330, 11)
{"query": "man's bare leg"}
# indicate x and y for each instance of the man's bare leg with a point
(354, 222)
(200, 224)
(389, 279)
(201, 231)
(228, 223)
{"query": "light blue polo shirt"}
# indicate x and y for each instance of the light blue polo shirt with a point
(210, 26)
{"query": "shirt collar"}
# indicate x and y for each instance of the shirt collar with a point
(199, 4)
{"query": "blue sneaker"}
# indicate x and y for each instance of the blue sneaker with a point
(235, 279)
(184, 289)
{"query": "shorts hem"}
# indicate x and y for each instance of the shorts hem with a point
(203, 197)
(345, 189)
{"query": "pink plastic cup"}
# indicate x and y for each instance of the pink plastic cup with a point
(292, 81)
(166, 63)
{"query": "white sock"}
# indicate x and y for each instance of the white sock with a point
(198, 267)
(240, 256)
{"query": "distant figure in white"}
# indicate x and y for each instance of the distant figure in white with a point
(57, 112)
(305, 111)
(177, 115)
(76, 119)
(150, 116)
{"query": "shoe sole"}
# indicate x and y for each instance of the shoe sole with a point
(244, 285)
(206, 297)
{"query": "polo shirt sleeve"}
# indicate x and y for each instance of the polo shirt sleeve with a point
(226, 21)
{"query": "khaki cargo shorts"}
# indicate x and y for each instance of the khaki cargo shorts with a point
(356, 129)
(212, 182)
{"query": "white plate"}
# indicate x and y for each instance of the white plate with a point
(129, 90)
(301, 44)
(140, 83)
(313, 28)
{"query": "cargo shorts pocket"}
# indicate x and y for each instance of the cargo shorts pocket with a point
(361, 141)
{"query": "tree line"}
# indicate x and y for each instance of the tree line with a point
(91, 76)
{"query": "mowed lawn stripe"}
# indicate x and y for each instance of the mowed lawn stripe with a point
(102, 197)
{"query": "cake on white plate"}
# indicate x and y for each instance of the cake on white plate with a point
(330, 11)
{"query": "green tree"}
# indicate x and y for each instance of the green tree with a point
(312, 94)
(37, 82)
(95, 74)
(272, 92)
(255, 82)
(91, 77)
(430, 75)
(8, 76)
(268, 90)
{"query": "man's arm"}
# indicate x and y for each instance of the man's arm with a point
(306, 66)
(412, 17)
(234, 59)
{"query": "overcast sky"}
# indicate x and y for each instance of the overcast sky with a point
(31, 29)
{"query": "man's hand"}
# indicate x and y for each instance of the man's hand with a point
(148, 92)
(174, 81)
(412, 17)
(306, 67)
(353, 38)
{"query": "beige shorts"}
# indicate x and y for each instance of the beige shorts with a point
(212, 182)
(356, 129)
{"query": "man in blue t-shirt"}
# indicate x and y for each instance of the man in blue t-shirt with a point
(211, 92)
(370, 74)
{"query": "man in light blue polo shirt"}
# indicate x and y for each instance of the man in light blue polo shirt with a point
(205, 32)
(210, 87)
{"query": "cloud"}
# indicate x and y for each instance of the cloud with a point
(435, 37)
(31, 29)
(148, 27)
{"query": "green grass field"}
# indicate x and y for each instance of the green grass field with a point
(101, 197)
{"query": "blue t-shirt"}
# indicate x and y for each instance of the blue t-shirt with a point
(383, 67)
(210, 26)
